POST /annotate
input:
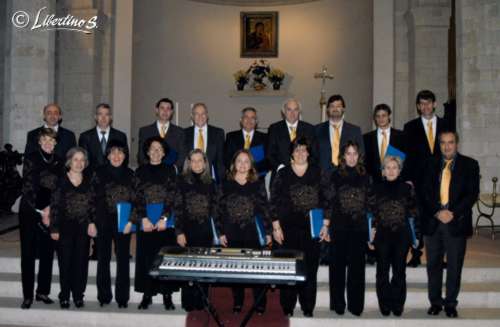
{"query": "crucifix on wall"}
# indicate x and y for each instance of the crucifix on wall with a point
(322, 101)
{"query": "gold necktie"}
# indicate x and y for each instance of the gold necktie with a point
(247, 142)
(336, 145)
(383, 146)
(163, 131)
(293, 133)
(445, 183)
(201, 141)
(430, 136)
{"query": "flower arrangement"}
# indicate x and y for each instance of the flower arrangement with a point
(259, 70)
(276, 77)
(241, 78)
(257, 73)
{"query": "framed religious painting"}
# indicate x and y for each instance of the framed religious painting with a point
(259, 34)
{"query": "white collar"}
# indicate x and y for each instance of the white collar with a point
(99, 130)
(159, 125)
(245, 133)
(294, 125)
(55, 128)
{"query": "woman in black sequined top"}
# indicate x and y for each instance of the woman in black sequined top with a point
(41, 170)
(72, 217)
(195, 207)
(114, 185)
(394, 205)
(243, 198)
(297, 189)
(155, 184)
(351, 192)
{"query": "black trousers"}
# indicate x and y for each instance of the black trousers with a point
(34, 240)
(197, 235)
(107, 236)
(392, 250)
(73, 257)
(304, 292)
(348, 258)
(437, 245)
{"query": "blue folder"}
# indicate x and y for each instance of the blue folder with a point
(171, 157)
(316, 217)
(216, 240)
(411, 221)
(395, 152)
(123, 210)
(257, 153)
(154, 211)
(369, 218)
(261, 232)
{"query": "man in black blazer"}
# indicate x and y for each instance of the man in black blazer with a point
(284, 132)
(328, 132)
(207, 138)
(96, 140)
(421, 144)
(377, 141)
(247, 138)
(52, 116)
(172, 135)
(450, 189)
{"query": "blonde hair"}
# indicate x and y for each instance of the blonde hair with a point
(395, 159)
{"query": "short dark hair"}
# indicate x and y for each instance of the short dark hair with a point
(52, 105)
(166, 100)
(300, 141)
(102, 105)
(252, 109)
(380, 107)
(425, 95)
(115, 144)
(335, 97)
(455, 134)
(151, 140)
(47, 132)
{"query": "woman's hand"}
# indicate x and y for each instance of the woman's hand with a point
(127, 228)
(373, 233)
(324, 235)
(147, 226)
(92, 230)
(46, 216)
(161, 225)
(181, 240)
(268, 240)
(223, 240)
(54, 236)
(278, 235)
(417, 243)
(371, 246)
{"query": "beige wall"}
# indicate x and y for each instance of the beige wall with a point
(188, 51)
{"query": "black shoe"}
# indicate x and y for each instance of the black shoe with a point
(93, 257)
(288, 313)
(434, 310)
(145, 303)
(444, 265)
(414, 262)
(79, 303)
(397, 313)
(451, 312)
(340, 312)
(122, 305)
(44, 298)
(308, 314)
(103, 303)
(237, 309)
(356, 313)
(167, 302)
(64, 304)
(26, 303)
(385, 312)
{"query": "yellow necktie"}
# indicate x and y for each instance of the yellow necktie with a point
(445, 183)
(293, 133)
(163, 131)
(336, 145)
(201, 141)
(430, 136)
(383, 146)
(247, 142)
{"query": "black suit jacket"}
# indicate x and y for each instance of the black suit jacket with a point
(350, 132)
(279, 142)
(418, 151)
(89, 140)
(65, 140)
(175, 139)
(235, 141)
(372, 152)
(215, 148)
(463, 193)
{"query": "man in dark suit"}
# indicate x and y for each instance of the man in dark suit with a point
(208, 138)
(52, 116)
(284, 132)
(96, 140)
(450, 189)
(172, 135)
(334, 133)
(421, 145)
(247, 138)
(377, 141)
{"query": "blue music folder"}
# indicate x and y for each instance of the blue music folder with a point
(395, 152)
(171, 157)
(216, 240)
(261, 232)
(369, 218)
(123, 210)
(257, 153)
(154, 211)
(411, 221)
(316, 217)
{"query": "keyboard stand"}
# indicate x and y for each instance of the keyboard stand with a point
(208, 305)
(256, 303)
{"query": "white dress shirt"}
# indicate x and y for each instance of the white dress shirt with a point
(205, 138)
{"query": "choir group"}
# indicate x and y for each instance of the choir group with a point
(380, 194)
